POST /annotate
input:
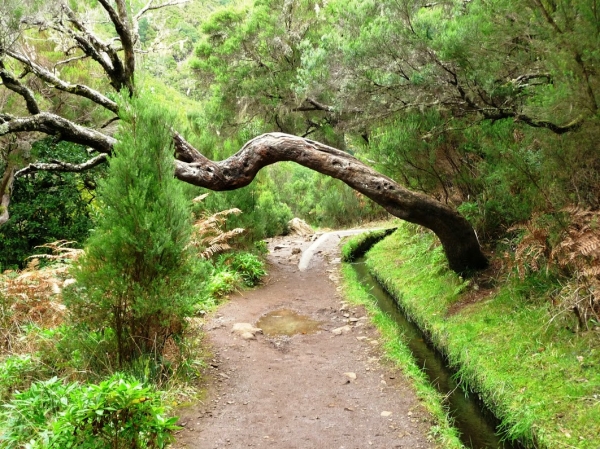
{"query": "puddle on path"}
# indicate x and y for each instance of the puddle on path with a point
(286, 322)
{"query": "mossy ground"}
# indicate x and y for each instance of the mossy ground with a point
(539, 377)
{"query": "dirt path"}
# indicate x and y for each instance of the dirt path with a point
(311, 390)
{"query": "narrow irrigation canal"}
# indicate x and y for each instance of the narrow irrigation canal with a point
(477, 426)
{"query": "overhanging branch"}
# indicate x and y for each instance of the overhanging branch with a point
(75, 89)
(56, 125)
(454, 231)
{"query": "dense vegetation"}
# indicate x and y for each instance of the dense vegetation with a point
(491, 107)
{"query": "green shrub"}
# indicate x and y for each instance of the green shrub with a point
(223, 281)
(26, 420)
(264, 213)
(16, 372)
(49, 206)
(118, 413)
(137, 280)
(261, 247)
(248, 266)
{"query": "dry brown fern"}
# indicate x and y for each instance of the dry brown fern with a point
(208, 236)
(532, 253)
(32, 296)
(579, 255)
(581, 245)
(60, 251)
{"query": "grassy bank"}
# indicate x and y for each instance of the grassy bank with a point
(539, 377)
(391, 336)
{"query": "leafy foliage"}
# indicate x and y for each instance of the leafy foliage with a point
(117, 413)
(249, 267)
(46, 206)
(136, 281)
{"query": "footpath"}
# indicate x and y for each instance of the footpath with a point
(311, 378)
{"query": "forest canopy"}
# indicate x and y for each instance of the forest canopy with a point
(489, 108)
(148, 147)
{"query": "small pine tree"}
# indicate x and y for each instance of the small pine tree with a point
(134, 283)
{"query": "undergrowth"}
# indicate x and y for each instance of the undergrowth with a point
(535, 371)
(119, 413)
(41, 361)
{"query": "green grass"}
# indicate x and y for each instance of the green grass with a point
(541, 379)
(358, 245)
(442, 432)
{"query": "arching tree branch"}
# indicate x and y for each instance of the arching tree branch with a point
(454, 231)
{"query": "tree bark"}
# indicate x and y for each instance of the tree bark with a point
(456, 234)
(6, 184)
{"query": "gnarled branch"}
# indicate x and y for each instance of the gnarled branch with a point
(5, 190)
(53, 125)
(454, 231)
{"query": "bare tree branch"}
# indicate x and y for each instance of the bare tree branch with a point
(523, 80)
(59, 166)
(150, 7)
(12, 83)
(67, 61)
(120, 20)
(102, 52)
(557, 129)
(56, 125)
(75, 89)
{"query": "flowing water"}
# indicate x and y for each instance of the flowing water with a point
(477, 426)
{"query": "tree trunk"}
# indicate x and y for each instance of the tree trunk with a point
(6, 184)
(454, 231)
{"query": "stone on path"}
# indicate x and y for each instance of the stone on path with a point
(299, 227)
(341, 330)
(351, 376)
(245, 330)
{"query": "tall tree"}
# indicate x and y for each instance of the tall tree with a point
(113, 52)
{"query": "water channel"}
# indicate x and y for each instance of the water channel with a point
(478, 427)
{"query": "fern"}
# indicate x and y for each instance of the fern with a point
(575, 258)
(60, 251)
(208, 236)
(579, 255)
(533, 251)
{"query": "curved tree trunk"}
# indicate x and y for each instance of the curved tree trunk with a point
(454, 231)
